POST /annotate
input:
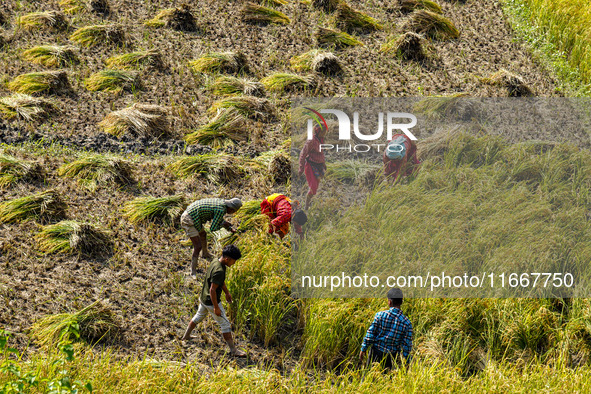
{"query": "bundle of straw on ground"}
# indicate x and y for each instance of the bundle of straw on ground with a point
(48, 82)
(93, 169)
(251, 107)
(91, 36)
(52, 56)
(73, 237)
(72, 6)
(94, 323)
(220, 63)
(227, 86)
(100, 7)
(431, 24)
(143, 120)
(44, 206)
(317, 60)
(408, 46)
(215, 167)
(333, 38)
(227, 127)
(327, 6)
(407, 6)
(254, 13)
(251, 220)
(165, 210)
(514, 84)
(276, 164)
(447, 107)
(54, 20)
(180, 19)
(113, 81)
(134, 60)
(351, 20)
(13, 170)
(285, 82)
(353, 171)
(25, 107)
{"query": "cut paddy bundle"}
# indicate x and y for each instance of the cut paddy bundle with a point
(407, 6)
(114, 81)
(228, 85)
(220, 63)
(93, 323)
(96, 168)
(164, 210)
(72, 6)
(99, 7)
(333, 38)
(317, 60)
(180, 19)
(327, 6)
(514, 84)
(250, 219)
(142, 120)
(432, 25)
(26, 107)
(447, 107)
(226, 128)
(408, 46)
(352, 171)
(52, 56)
(255, 13)
(91, 36)
(212, 166)
(47, 205)
(285, 82)
(351, 20)
(13, 170)
(277, 165)
(255, 108)
(48, 82)
(70, 236)
(135, 60)
(54, 20)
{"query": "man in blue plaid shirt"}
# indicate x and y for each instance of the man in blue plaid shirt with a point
(390, 334)
(201, 212)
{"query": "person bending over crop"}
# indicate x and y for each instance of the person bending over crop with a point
(312, 162)
(199, 213)
(389, 335)
(281, 210)
(209, 301)
(400, 157)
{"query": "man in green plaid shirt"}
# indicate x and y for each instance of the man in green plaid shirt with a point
(201, 212)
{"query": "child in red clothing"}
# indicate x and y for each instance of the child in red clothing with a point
(312, 162)
(279, 209)
(405, 160)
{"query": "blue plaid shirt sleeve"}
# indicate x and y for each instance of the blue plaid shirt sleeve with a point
(407, 342)
(371, 334)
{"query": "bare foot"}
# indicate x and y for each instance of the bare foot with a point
(238, 353)
(207, 256)
(185, 338)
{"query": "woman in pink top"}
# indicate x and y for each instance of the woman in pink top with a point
(312, 162)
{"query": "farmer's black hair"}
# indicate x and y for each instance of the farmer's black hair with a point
(232, 252)
(300, 217)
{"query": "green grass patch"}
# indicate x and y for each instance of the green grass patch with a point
(48, 82)
(54, 56)
(165, 210)
(91, 36)
(336, 39)
(113, 81)
(14, 170)
(144, 120)
(74, 237)
(25, 107)
(255, 13)
(44, 206)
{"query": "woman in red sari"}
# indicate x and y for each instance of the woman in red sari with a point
(312, 162)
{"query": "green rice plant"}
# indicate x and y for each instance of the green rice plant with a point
(285, 82)
(432, 25)
(54, 20)
(220, 63)
(325, 5)
(43, 206)
(514, 84)
(350, 19)
(92, 169)
(226, 128)
(91, 36)
(316, 60)
(407, 46)
(180, 19)
(250, 221)
(337, 39)
(214, 167)
(408, 6)
(135, 60)
(142, 120)
(49, 82)
(113, 81)
(13, 170)
(254, 13)
(228, 86)
(252, 107)
(26, 107)
(70, 236)
(93, 323)
(53, 56)
(165, 210)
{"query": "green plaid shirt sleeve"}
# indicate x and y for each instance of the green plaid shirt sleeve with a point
(203, 211)
(218, 218)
